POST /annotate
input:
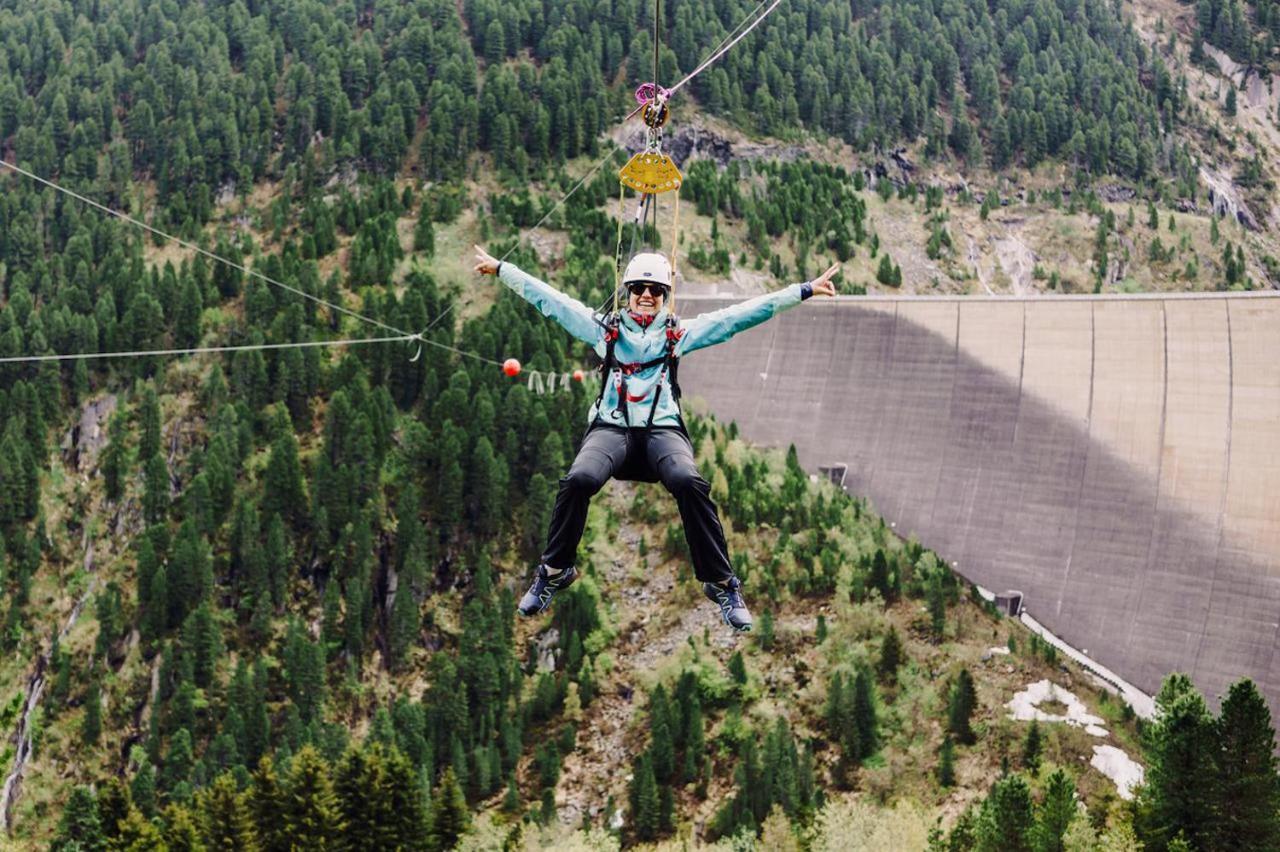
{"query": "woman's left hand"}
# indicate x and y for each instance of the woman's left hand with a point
(822, 285)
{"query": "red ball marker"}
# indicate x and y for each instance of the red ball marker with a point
(511, 367)
(578, 375)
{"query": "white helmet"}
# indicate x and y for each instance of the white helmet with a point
(648, 266)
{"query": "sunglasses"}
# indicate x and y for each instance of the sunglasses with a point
(639, 288)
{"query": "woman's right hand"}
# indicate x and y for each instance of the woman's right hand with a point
(486, 264)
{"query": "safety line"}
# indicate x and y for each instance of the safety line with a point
(202, 350)
(193, 247)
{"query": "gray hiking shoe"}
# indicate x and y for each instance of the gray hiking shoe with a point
(544, 588)
(732, 608)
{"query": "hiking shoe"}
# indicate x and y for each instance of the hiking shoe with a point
(732, 608)
(544, 588)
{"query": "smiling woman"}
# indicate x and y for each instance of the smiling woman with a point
(635, 429)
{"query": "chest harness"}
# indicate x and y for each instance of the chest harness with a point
(619, 371)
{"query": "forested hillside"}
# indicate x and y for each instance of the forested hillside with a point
(264, 598)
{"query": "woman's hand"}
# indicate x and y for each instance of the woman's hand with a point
(486, 264)
(822, 285)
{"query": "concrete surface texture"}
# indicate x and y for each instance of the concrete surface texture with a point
(1115, 458)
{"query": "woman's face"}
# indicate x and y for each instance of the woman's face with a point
(646, 299)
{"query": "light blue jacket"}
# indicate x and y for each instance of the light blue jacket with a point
(638, 345)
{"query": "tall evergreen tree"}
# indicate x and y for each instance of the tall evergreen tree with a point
(1247, 813)
(312, 817)
(644, 798)
(79, 829)
(1007, 820)
(947, 762)
(449, 816)
(1055, 813)
(890, 658)
(1181, 788)
(960, 707)
(226, 824)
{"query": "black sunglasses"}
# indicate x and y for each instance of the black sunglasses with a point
(639, 288)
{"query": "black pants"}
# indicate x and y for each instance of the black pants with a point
(657, 455)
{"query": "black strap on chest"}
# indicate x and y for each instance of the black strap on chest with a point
(669, 361)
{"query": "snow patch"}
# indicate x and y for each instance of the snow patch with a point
(1025, 706)
(1119, 767)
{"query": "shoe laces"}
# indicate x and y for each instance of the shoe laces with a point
(731, 595)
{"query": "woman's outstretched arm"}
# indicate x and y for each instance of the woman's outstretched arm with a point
(577, 318)
(718, 326)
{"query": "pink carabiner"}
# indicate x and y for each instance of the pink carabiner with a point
(650, 92)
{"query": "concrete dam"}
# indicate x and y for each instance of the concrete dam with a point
(1117, 459)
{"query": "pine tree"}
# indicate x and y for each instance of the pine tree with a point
(304, 671)
(180, 832)
(155, 497)
(738, 669)
(662, 730)
(143, 786)
(1007, 821)
(312, 817)
(203, 639)
(266, 804)
(864, 714)
(91, 727)
(947, 762)
(149, 422)
(284, 491)
(960, 708)
(1031, 748)
(890, 656)
(79, 830)
(1180, 789)
(1248, 807)
(424, 234)
(226, 824)
(644, 798)
(1056, 812)
(937, 607)
(178, 760)
(880, 579)
(405, 624)
(450, 818)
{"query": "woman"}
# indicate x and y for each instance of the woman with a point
(635, 431)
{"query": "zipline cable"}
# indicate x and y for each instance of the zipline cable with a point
(193, 247)
(401, 335)
(247, 347)
(202, 350)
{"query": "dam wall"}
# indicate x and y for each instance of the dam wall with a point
(1117, 459)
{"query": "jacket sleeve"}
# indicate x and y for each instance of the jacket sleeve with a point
(576, 317)
(718, 326)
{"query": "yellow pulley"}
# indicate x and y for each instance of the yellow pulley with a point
(650, 173)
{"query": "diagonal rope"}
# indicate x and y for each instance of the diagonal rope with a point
(726, 44)
(195, 248)
(726, 48)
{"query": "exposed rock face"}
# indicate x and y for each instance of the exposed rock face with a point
(87, 438)
(691, 142)
(1226, 200)
(1114, 192)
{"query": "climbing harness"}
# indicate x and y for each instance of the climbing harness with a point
(619, 372)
